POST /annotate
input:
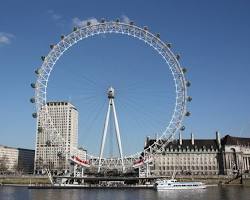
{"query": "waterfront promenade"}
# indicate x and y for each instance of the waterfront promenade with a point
(131, 181)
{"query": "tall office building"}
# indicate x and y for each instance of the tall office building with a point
(58, 141)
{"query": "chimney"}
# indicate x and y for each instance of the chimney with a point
(180, 138)
(218, 139)
(192, 138)
(156, 136)
(147, 141)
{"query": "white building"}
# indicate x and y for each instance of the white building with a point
(82, 153)
(16, 160)
(228, 155)
(59, 141)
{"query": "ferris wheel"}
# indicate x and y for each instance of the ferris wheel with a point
(113, 27)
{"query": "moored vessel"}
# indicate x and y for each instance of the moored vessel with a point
(172, 184)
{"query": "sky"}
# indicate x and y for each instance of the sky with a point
(212, 38)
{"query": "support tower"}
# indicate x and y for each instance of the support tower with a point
(111, 107)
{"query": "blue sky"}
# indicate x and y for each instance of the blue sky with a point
(212, 38)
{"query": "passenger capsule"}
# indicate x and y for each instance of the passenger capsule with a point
(34, 115)
(182, 128)
(32, 100)
(169, 45)
(62, 37)
(102, 20)
(188, 84)
(48, 143)
(39, 129)
(131, 23)
(178, 57)
(184, 70)
(188, 114)
(38, 71)
(59, 154)
(145, 28)
(189, 99)
(117, 20)
(75, 28)
(33, 85)
(158, 35)
(88, 23)
(51, 46)
(43, 58)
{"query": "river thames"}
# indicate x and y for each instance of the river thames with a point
(211, 193)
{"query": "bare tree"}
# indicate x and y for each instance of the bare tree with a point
(3, 164)
(18, 169)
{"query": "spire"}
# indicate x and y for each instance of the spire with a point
(192, 138)
(218, 139)
(180, 138)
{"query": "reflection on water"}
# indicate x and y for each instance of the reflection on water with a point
(182, 194)
(214, 193)
(12, 193)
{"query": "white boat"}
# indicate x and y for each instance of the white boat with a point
(172, 184)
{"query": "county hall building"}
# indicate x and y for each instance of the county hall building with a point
(220, 156)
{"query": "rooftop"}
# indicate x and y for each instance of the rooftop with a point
(204, 143)
(231, 140)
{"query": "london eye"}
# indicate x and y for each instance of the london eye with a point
(104, 27)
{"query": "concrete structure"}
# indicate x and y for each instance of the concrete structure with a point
(16, 160)
(227, 156)
(51, 151)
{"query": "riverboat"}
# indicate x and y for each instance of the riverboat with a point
(172, 184)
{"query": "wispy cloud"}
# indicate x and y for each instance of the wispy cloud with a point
(125, 19)
(5, 38)
(78, 22)
(55, 16)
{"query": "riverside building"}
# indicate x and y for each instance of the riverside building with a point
(221, 156)
(82, 153)
(14, 160)
(53, 152)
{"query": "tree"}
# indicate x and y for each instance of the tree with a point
(3, 164)
(18, 169)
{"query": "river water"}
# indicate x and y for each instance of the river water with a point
(211, 193)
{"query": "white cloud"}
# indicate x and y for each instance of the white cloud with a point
(77, 22)
(5, 38)
(125, 19)
(54, 15)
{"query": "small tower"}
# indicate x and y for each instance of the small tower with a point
(180, 138)
(192, 138)
(218, 139)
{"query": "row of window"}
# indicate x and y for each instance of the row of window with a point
(188, 168)
(186, 159)
(193, 172)
(57, 103)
